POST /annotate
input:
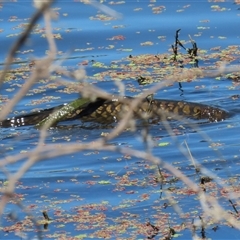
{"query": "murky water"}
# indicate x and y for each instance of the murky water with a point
(95, 194)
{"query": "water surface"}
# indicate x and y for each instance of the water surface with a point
(94, 194)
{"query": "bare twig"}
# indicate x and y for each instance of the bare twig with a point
(20, 41)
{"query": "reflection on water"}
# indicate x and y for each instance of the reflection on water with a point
(118, 192)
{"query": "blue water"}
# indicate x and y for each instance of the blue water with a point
(69, 183)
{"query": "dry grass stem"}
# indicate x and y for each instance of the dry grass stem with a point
(44, 152)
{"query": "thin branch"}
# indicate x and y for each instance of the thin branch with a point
(23, 37)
